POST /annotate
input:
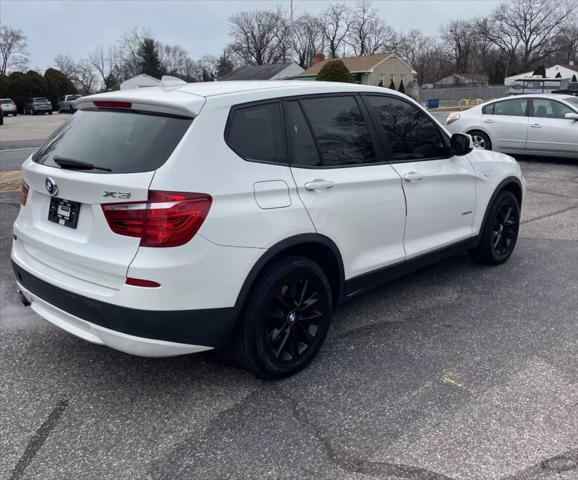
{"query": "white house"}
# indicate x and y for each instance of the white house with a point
(566, 71)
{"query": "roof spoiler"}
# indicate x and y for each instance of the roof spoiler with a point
(168, 82)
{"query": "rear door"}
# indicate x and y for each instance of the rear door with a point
(550, 132)
(62, 226)
(507, 123)
(351, 194)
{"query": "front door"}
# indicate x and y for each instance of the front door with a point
(439, 187)
(550, 132)
(350, 196)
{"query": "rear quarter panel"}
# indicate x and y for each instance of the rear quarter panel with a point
(204, 163)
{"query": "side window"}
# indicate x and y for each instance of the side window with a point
(513, 108)
(340, 130)
(256, 133)
(411, 133)
(303, 148)
(488, 109)
(544, 108)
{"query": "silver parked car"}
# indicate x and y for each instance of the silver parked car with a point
(66, 103)
(545, 125)
(8, 107)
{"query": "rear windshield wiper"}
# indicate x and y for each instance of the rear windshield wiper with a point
(72, 164)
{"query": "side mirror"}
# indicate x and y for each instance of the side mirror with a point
(461, 144)
(571, 116)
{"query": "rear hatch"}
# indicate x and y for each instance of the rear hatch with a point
(101, 156)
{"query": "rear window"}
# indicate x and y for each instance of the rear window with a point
(39, 99)
(125, 142)
(5, 101)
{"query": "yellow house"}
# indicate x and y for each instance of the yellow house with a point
(377, 69)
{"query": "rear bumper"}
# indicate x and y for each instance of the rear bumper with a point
(139, 332)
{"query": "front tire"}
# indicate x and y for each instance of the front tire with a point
(286, 318)
(500, 233)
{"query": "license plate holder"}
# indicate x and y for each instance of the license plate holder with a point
(64, 212)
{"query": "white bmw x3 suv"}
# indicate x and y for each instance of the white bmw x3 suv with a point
(165, 221)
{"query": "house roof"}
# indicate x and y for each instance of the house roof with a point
(476, 77)
(257, 72)
(362, 64)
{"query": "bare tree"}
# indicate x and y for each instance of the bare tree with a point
(260, 37)
(105, 61)
(130, 62)
(85, 79)
(335, 26)
(368, 34)
(173, 59)
(66, 65)
(529, 26)
(307, 39)
(566, 43)
(460, 40)
(12, 49)
(425, 55)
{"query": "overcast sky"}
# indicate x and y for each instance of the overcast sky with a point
(201, 27)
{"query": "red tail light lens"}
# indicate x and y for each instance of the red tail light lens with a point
(24, 188)
(168, 219)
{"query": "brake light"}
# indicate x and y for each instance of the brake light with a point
(24, 188)
(168, 219)
(111, 104)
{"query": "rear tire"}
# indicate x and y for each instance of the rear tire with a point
(481, 140)
(286, 318)
(500, 232)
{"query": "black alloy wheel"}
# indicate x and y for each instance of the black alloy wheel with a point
(500, 232)
(286, 319)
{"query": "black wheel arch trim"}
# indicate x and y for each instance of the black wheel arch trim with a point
(285, 246)
(500, 188)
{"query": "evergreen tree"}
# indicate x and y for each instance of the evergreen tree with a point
(57, 85)
(148, 58)
(540, 71)
(574, 80)
(224, 66)
(558, 75)
(401, 87)
(392, 85)
(335, 71)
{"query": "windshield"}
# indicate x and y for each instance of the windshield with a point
(73, 97)
(572, 101)
(40, 99)
(124, 142)
(6, 100)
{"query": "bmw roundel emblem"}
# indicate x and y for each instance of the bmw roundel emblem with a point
(51, 186)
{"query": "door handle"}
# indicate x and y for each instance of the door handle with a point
(412, 177)
(319, 184)
(535, 125)
(489, 121)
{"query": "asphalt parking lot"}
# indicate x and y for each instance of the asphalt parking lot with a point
(459, 372)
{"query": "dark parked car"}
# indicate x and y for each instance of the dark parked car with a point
(66, 104)
(1, 117)
(37, 105)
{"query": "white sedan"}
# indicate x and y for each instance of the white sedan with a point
(545, 125)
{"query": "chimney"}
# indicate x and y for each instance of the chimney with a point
(318, 57)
